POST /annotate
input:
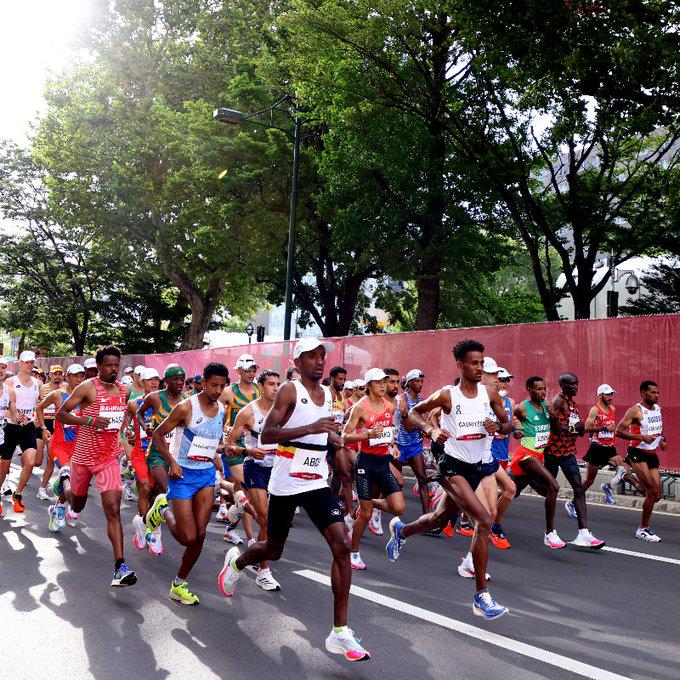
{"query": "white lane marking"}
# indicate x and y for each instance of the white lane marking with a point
(563, 662)
(646, 556)
(14, 541)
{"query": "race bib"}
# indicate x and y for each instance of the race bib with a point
(467, 430)
(339, 416)
(50, 410)
(115, 418)
(542, 437)
(386, 437)
(606, 434)
(309, 465)
(573, 418)
(202, 449)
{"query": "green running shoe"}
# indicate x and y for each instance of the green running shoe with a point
(154, 518)
(181, 593)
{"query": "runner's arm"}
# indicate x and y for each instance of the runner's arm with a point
(623, 429)
(82, 396)
(590, 421)
(12, 408)
(40, 408)
(241, 424)
(520, 411)
(440, 399)
(505, 424)
(179, 417)
(150, 401)
(559, 406)
(349, 432)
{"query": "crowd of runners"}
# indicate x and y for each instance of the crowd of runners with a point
(257, 450)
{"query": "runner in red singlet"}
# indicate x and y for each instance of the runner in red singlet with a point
(102, 401)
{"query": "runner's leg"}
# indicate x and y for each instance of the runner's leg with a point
(651, 480)
(27, 461)
(111, 506)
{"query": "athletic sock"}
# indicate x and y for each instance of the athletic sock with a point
(119, 563)
(618, 477)
(583, 532)
(251, 541)
(177, 581)
(496, 528)
(482, 591)
(339, 629)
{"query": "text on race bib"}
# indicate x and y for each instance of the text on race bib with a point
(202, 449)
(467, 429)
(386, 437)
(542, 436)
(115, 418)
(309, 465)
(339, 416)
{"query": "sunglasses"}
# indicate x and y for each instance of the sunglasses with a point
(504, 380)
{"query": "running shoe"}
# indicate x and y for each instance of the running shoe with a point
(236, 510)
(608, 494)
(499, 539)
(128, 494)
(346, 643)
(58, 487)
(18, 503)
(123, 577)
(60, 509)
(155, 542)
(221, 515)
(6, 488)
(375, 525)
(266, 581)
(182, 594)
(448, 530)
(465, 529)
(485, 606)
(396, 543)
(139, 537)
(647, 535)
(585, 539)
(356, 562)
(52, 525)
(71, 513)
(618, 476)
(154, 517)
(553, 541)
(571, 510)
(228, 577)
(232, 537)
(42, 494)
(467, 570)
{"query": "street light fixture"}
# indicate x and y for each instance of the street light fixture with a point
(234, 117)
(250, 329)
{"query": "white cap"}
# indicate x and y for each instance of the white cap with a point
(490, 365)
(127, 380)
(503, 373)
(129, 369)
(413, 374)
(605, 389)
(74, 368)
(27, 355)
(139, 369)
(149, 373)
(5, 360)
(90, 362)
(374, 374)
(349, 385)
(309, 345)
(245, 361)
(359, 382)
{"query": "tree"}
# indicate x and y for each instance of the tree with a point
(660, 291)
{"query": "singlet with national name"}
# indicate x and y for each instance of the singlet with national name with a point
(652, 424)
(415, 436)
(164, 410)
(382, 418)
(240, 400)
(564, 443)
(94, 446)
(26, 397)
(603, 419)
(536, 426)
(469, 441)
(194, 446)
(62, 432)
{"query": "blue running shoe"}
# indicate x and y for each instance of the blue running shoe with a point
(396, 543)
(485, 606)
(608, 494)
(124, 577)
(571, 510)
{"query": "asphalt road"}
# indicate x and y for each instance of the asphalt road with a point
(601, 615)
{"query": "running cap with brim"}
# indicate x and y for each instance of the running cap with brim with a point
(139, 369)
(75, 368)
(374, 374)
(38, 370)
(56, 368)
(4, 361)
(129, 369)
(27, 355)
(173, 369)
(359, 383)
(197, 378)
(490, 365)
(413, 374)
(90, 363)
(605, 389)
(504, 373)
(127, 380)
(245, 361)
(150, 373)
(349, 385)
(309, 345)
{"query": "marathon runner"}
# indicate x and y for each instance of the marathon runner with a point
(137, 388)
(371, 425)
(7, 405)
(560, 454)
(259, 459)
(339, 458)
(61, 442)
(197, 423)
(20, 430)
(56, 376)
(536, 416)
(301, 423)
(90, 365)
(292, 374)
(102, 402)
(467, 464)
(643, 427)
(601, 424)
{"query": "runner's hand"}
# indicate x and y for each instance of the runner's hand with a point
(647, 438)
(21, 419)
(440, 436)
(257, 454)
(491, 426)
(323, 426)
(230, 451)
(149, 431)
(662, 444)
(46, 436)
(375, 433)
(580, 428)
(518, 434)
(611, 428)
(100, 423)
(175, 471)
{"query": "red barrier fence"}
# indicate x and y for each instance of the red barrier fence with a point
(621, 352)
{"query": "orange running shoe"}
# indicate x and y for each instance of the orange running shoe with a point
(18, 503)
(448, 530)
(465, 529)
(499, 539)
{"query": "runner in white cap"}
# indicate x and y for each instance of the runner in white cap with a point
(301, 423)
(7, 405)
(90, 366)
(137, 388)
(54, 383)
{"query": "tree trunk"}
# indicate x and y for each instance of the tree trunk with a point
(429, 291)
(201, 315)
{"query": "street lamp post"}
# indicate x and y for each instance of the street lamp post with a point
(234, 117)
(249, 332)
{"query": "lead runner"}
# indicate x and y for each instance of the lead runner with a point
(301, 423)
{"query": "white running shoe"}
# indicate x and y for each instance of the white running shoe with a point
(139, 536)
(235, 511)
(71, 513)
(154, 541)
(60, 509)
(52, 525)
(42, 494)
(584, 539)
(553, 541)
(266, 581)
(356, 562)
(467, 570)
(618, 476)
(232, 537)
(349, 525)
(228, 577)
(375, 525)
(345, 643)
(128, 494)
(647, 534)
(221, 515)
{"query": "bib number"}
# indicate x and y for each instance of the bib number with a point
(385, 438)
(542, 438)
(573, 418)
(115, 419)
(202, 449)
(309, 465)
(468, 431)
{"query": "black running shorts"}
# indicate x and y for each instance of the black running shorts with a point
(373, 476)
(636, 455)
(474, 473)
(568, 465)
(22, 436)
(599, 455)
